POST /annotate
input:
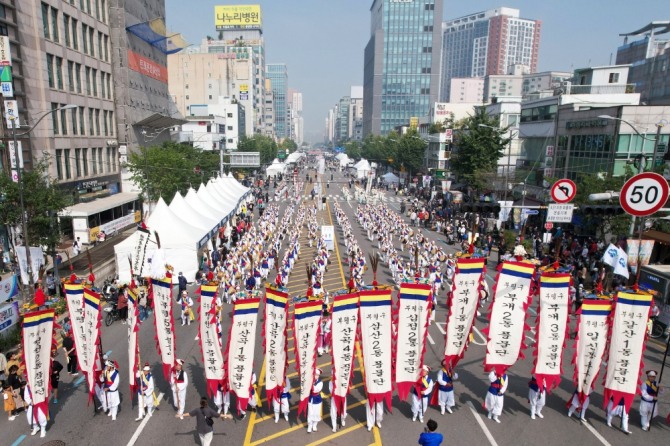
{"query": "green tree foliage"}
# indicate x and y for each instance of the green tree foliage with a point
(266, 146)
(162, 171)
(477, 148)
(289, 145)
(42, 198)
(411, 149)
(353, 149)
(380, 149)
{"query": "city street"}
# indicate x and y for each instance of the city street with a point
(75, 422)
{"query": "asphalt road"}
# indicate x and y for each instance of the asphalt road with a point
(74, 422)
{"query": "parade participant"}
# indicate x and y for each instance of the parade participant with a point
(333, 409)
(495, 398)
(99, 388)
(420, 393)
(38, 421)
(445, 388)
(282, 403)
(70, 353)
(56, 368)
(323, 341)
(252, 401)
(537, 395)
(429, 437)
(575, 405)
(145, 392)
(649, 392)
(112, 380)
(204, 421)
(179, 383)
(222, 399)
(314, 403)
(374, 413)
(619, 411)
(186, 303)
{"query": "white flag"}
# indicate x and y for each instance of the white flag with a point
(621, 266)
(610, 256)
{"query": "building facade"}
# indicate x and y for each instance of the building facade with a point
(487, 43)
(466, 90)
(278, 75)
(401, 63)
(268, 125)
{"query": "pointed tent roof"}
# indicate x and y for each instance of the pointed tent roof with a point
(208, 210)
(190, 215)
(172, 230)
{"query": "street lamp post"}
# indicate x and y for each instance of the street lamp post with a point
(19, 179)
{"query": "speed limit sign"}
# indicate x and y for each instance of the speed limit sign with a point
(644, 194)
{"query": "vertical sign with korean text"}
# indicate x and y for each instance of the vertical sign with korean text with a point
(275, 327)
(344, 323)
(133, 332)
(37, 343)
(74, 297)
(631, 313)
(306, 329)
(241, 347)
(161, 290)
(92, 331)
(210, 340)
(592, 329)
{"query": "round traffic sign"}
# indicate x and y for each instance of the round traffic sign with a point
(644, 194)
(563, 191)
(548, 226)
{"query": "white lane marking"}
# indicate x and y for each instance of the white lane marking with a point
(430, 339)
(143, 424)
(486, 430)
(596, 434)
(533, 312)
(532, 340)
(478, 333)
(439, 327)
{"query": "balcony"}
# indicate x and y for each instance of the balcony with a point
(599, 89)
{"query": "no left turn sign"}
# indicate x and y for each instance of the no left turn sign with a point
(563, 191)
(644, 194)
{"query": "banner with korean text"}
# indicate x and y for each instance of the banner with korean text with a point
(306, 329)
(240, 350)
(343, 328)
(414, 300)
(462, 305)
(275, 327)
(627, 335)
(210, 341)
(161, 290)
(74, 297)
(376, 340)
(38, 340)
(507, 323)
(552, 326)
(133, 332)
(91, 333)
(592, 329)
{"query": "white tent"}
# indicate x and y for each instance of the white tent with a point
(203, 208)
(340, 156)
(179, 241)
(215, 201)
(191, 215)
(229, 197)
(345, 160)
(391, 178)
(275, 169)
(362, 168)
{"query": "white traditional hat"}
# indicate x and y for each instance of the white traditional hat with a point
(651, 373)
(109, 363)
(146, 367)
(179, 361)
(426, 368)
(318, 372)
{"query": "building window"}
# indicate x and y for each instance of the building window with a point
(614, 78)
(84, 32)
(75, 39)
(66, 29)
(84, 161)
(91, 127)
(104, 123)
(111, 123)
(91, 33)
(106, 47)
(97, 122)
(109, 159)
(77, 74)
(59, 72)
(102, 85)
(54, 118)
(104, 10)
(97, 9)
(66, 161)
(45, 21)
(82, 126)
(70, 75)
(94, 81)
(94, 164)
(73, 118)
(63, 121)
(50, 70)
(77, 162)
(87, 76)
(102, 167)
(109, 86)
(54, 24)
(59, 163)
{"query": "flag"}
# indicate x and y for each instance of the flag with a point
(92, 334)
(161, 290)
(590, 343)
(306, 329)
(414, 300)
(133, 332)
(610, 255)
(38, 340)
(274, 342)
(344, 322)
(74, 297)
(621, 265)
(210, 342)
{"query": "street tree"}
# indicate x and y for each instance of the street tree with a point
(42, 200)
(379, 149)
(411, 150)
(289, 145)
(353, 149)
(479, 144)
(163, 170)
(264, 145)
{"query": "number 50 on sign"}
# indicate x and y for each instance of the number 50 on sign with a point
(644, 194)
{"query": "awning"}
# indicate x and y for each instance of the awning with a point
(661, 237)
(154, 33)
(99, 205)
(159, 121)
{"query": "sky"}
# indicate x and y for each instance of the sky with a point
(322, 41)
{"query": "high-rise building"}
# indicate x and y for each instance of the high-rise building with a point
(278, 75)
(487, 43)
(297, 123)
(355, 131)
(401, 63)
(268, 128)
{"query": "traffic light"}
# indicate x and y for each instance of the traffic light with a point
(602, 210)
(481, 208)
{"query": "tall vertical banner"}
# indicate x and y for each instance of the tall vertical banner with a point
(133, 332)
(275, 327)
(38, 340)
(161, 290)
(376, 340)
(306, 329)
(552, 326)
(627, 336)
(507, 323)
(414, 300)
(91, 333)
(74, 297)
(345, 324)
(592, 329)
(240, 350)
(210, 343)
(463, 305)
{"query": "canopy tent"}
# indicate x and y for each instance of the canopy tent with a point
(230, 199)
(190, 215)
(341, 156)
(344, 162)
(390, 178)
(179, 241)
(215, 201)
(275, 168)
(294, 157)
(362, 168)
(203, 208)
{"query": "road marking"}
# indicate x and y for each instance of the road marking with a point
(478, 333)
(439, 327)
(430, 339)
(19, 440)
(79, 380)
(337, 434)
(596, 434)
(481, 424)
(532, 340)
(143, 424)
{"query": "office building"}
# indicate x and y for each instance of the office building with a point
(401, 63)
(465, 90)
(355, 131)
(214, 127)
(297, 123)
(268, 124)
(487, 43)
(278, 75)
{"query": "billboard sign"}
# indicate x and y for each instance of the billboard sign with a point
(237, 17)
(5, 52)
(245, 159)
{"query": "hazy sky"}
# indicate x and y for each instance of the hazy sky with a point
(322, 41)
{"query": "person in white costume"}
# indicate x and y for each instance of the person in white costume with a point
(574, 405)
(145, 392)
(374, 413)
(445, 383)
(333, 409)
(281, 404)
(314, 403)
(112, 381)
(537, 397)
(252, 401)
(222, 399)
(39, 422)
(495, 397)
(649, 391)
(179, 383)
(619, 411)
(424, 386)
